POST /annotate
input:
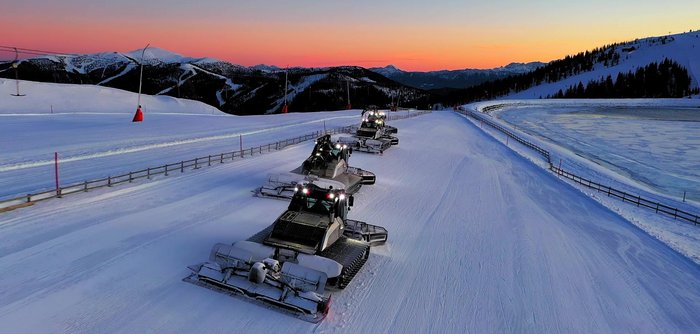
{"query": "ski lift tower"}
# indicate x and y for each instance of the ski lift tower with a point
(348, 85)
(285, 108)
(15, 65)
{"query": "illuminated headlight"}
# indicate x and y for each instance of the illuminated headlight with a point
(318, 154)
(331, 195)
(305, 191)
(296, 189)
(337, 146)
(342, 197)
(345, 146)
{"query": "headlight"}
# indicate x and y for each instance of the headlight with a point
(305, 191)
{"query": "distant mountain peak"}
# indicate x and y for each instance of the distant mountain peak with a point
(156, 53)
(453, 78)
(265, 68)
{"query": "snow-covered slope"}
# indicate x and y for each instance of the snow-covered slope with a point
(43, 98)
(682, 48)
(91, 129)
(480, 241)
(231, 88)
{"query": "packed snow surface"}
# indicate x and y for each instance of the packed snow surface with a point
(656, 145)
(480, 241)
(92, 132)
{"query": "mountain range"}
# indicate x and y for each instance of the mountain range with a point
(454, 78)
(260, 89)
(229, 87)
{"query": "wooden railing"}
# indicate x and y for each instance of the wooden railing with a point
(176, 167)
(658, 207)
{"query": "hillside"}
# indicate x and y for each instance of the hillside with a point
(611, 60)
(231, 88)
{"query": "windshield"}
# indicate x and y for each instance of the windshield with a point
(316, 201)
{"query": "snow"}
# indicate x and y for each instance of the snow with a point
(95, 137)
(127, 69)
(266, 68)
(70, 98)
(645, 147)
(682, 48)
(480, 240)
(296, 88)
(157, 55)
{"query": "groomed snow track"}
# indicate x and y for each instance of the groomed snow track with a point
(482, 242)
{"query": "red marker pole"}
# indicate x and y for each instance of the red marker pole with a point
(55, 159)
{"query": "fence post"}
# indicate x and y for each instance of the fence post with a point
(222, 158)
(657, 207)
(240, 141)
(85, 189)
(210, 160)
(109, 181)
(196, 160)
(182, 166)
(166, 170)
(29, 198)
(58, 188)
(683, 196)
(148, 173)
(130, 178)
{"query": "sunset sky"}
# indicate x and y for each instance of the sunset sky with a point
(413, 35)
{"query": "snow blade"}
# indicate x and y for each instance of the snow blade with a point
(373, 234)
(368, 144)
(293, 288)
(279, 186)
(367, 176)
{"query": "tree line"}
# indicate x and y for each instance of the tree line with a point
(656, 80)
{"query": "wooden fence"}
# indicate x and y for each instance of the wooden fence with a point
(177, 167)
(658, 207)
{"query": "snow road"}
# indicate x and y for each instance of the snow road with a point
(480, 240)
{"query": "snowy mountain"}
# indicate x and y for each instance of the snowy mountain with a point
(683, 49)
(454, 78)
(229, 87)
(602, 65)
